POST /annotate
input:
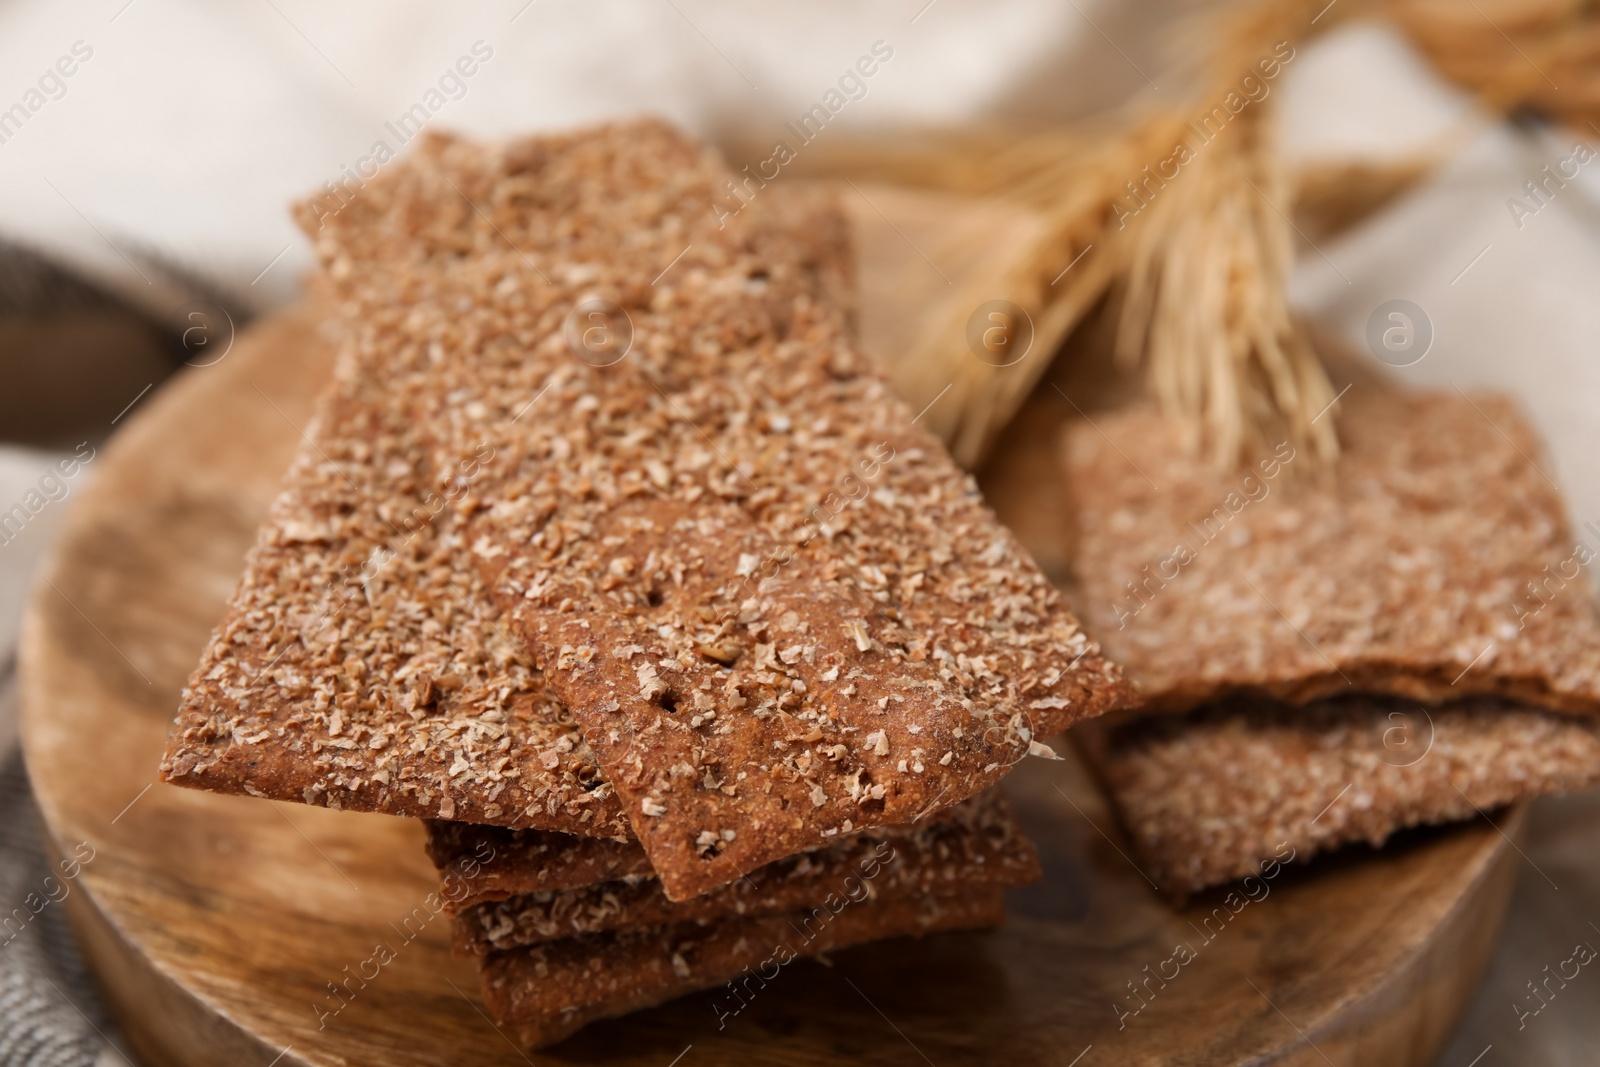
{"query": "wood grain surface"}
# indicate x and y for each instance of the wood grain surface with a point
(216, 924)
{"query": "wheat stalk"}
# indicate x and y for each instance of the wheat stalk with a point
(1197, 269)
(1538, 54)
(1196, 278)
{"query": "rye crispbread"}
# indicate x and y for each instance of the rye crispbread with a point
(1434, 560)
(360, 667)
(547, 992)
(976, 844)
(1211, 796)
(778, 609)
(360, 551)
(501, 863)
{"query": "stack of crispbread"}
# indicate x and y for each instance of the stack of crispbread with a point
(1408, 638)
(606, 542)
(565, 943)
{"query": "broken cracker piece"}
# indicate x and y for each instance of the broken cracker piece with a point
(1211, 796)
(1433, 561)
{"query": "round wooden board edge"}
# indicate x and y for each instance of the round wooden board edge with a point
(1439, 983)
(194, 1030)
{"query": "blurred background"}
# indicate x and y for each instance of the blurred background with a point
(1438, 154)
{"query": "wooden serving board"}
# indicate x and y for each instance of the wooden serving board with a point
(215, 924)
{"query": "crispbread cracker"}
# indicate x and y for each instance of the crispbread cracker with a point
(778, 609)
(360, 667)
(1213, 795)
(975, 845)
(422, 625)
(547, 992)
(1434, 561)
(504, 863)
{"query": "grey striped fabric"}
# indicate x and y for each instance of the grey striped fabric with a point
(49, 1015)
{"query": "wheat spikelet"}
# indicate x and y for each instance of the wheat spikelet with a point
(1194, 267)
(1537, 54)
(1197, 265)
